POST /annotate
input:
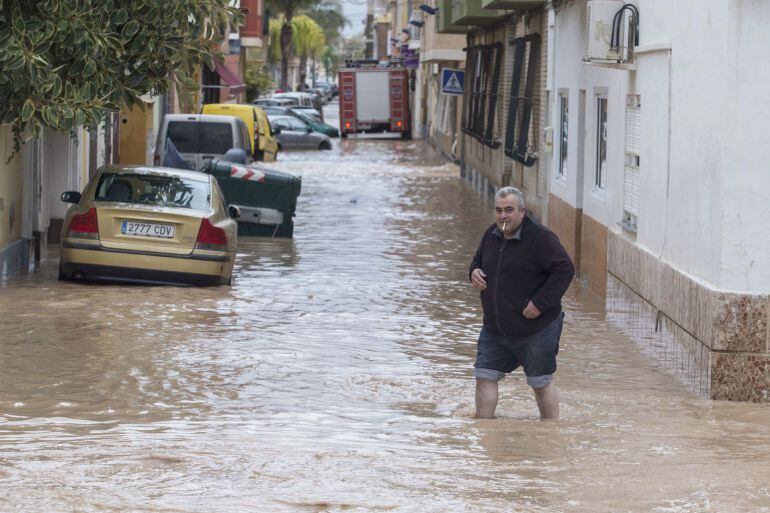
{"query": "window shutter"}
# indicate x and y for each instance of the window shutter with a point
(631, 171)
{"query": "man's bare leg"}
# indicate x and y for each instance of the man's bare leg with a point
(547, 401)
(486, 398)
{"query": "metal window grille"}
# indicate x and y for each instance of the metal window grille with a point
(601, 142)
(522, 99)
(564, 133)
(484, 63)
(631, 169)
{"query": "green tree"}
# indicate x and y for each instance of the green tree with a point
(258, 82)
(329, 16)
(287, 8)
(308, 41)
(330, 60)
(68, 63)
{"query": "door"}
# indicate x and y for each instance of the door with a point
(135, 134)
(215, 139)
(268, 142)
(300, 129)
(287, 137)
(184, 135)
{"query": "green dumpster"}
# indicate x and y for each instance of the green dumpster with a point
(267, 199)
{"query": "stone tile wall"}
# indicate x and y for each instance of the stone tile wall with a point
(565, 221)
(725, 336)
(593, 255)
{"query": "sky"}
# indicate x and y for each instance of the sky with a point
(355, 11)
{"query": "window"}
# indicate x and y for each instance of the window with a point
(281, 123)
(184, 136)
(518, 132)
(247, 144)
(484, 63)
(148, 189)
(297, 125)
(601, 141)
(216, 138)
(564, 133)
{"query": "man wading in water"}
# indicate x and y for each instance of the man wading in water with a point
(522, 271)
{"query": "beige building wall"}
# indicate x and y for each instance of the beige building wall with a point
(11, 189)
(490, 168)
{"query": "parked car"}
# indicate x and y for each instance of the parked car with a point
(264, 145)
(305, 99)
(334, 89)
(310, 111)
(275, 102)
(326, 88)
(305, 116)
(294, 133)
(319, 93)
(201, 137)
(149, 224)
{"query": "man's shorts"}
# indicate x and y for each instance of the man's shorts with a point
(497, 355)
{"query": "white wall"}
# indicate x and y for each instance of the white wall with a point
(570, 73)
(705, 187)
(62, 170)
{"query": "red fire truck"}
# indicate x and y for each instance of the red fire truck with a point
(374, 99)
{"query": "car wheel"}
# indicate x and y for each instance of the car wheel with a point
(325, 145)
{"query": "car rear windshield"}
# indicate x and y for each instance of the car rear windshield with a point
(201, 137)
(151, 189)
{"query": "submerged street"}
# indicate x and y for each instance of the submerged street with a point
(336, 375)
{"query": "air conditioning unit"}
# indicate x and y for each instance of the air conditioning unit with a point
(613, 32)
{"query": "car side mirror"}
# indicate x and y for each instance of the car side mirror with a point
(234, 212)
(71, 197)
(276, 130)
(236, 155)
(308, 129)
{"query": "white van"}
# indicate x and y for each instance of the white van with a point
(201, 137)
(304, 99)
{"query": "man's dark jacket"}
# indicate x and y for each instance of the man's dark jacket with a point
(535, 267)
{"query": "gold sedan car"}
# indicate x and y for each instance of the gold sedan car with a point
(151, 225)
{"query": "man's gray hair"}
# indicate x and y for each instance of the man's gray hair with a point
(507, 191)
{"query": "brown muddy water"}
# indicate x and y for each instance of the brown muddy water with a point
(336, 376)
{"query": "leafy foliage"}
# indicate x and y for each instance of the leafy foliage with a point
(67, 63)
(329, 16)
(258, 82)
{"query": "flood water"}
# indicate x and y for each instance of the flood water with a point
(336, 376)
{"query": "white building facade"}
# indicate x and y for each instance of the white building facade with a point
(659, 184)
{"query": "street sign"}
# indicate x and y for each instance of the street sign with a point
(452, 81)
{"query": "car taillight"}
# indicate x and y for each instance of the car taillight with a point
(210, 237)
(156, 160)
(84, 226)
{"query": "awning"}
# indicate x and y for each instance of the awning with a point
(229, 77)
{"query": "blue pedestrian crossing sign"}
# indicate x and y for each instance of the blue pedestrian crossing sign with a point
(452, 81)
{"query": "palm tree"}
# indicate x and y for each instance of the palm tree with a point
(309, 41)
(288, 8)
(329, 16)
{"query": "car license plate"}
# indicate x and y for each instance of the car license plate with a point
(141, 229)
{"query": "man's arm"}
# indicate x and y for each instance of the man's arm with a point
(560, 269)
(478, 258)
